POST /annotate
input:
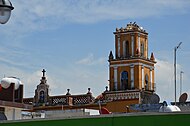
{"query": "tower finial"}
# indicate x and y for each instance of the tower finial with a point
(68, 92)
(43, 71)
(89, 91)
(152, 57)
(110, 56)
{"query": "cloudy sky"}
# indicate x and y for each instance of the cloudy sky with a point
(71, 39)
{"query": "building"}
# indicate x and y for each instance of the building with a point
(131, 78)
(131, 71)
(60, 105)
(131, 68)
(11, 99)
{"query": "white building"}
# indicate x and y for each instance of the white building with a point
(12, 110)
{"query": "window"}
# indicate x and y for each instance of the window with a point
(142, 49)
(127, 49)
(146, 82)
(41, 97)
(124, 80)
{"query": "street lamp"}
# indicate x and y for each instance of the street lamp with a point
(5, 11)
(175, 50)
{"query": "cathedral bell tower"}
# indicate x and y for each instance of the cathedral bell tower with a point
(131, 68)
(42, 92)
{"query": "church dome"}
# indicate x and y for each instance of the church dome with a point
(5, 82)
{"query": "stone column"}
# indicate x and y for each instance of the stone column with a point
(115, 78)
(146, 47)
(142, 76)
(139, 43)
(132, 77)
(132, 44)
(118, 44)
(151, 85)
(124, 49)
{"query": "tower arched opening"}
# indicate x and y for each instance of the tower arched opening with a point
(124, 80)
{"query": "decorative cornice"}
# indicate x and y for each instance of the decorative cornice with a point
(122, 96)
(132, 64)
(130, 32)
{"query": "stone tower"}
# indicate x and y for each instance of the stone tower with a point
(131, 68)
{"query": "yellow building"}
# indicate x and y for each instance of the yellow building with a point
(131, 71)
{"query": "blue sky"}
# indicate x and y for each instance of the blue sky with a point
(71, 39)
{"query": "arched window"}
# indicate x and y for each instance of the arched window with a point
(142, 49)
(146, 82)
(125, 49)
(124, 80)
(41, 100)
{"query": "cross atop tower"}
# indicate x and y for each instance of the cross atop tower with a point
(43, 71)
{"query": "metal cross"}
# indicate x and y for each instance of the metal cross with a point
(43, 71)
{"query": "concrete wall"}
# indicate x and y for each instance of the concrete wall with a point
(68, 113)
(13, 113)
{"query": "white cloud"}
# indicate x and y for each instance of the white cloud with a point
(90, 60)
(164, 75)
(86, 73)
(29, 79)
(164, 79)
(38, 15)
(84, 78)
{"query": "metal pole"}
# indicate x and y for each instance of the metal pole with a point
(175, 50)
(175, 71)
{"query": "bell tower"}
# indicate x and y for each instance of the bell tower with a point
(42, 92)
(131, 68)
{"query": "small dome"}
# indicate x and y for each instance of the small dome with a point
(5, 82)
